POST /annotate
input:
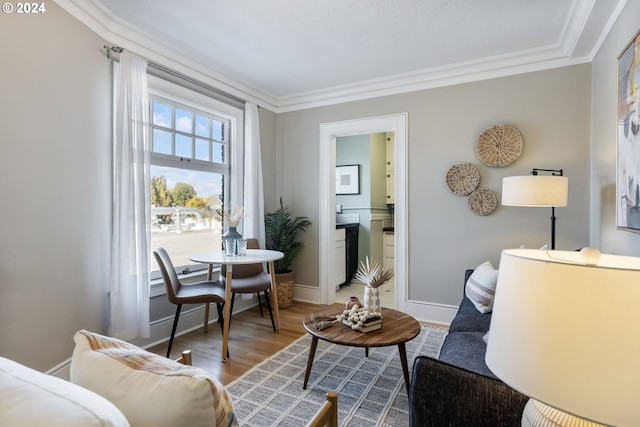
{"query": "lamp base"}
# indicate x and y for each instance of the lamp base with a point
(537, 414)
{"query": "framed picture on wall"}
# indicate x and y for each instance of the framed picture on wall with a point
(348, 179)
(628, 161)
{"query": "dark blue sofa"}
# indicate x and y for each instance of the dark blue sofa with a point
(458, 389)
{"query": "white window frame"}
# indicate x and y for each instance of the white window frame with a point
(235, 151)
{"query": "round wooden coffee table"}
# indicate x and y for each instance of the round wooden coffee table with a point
(397, 329)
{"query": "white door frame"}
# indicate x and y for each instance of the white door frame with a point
(398, 124)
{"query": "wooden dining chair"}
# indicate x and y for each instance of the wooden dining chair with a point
(185, 358)
(327, 415)
(249, 279)
(203, 292)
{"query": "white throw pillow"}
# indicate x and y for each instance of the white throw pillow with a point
(481, 287)
(32, 398)
(150, 390)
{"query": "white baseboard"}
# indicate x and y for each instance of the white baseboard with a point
(190, 320)
(308, 294)
(431, 312)
(422, 311)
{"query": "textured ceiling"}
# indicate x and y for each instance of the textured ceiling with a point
(289, 51)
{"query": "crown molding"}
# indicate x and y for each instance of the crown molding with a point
(485, 69)
(562, 54)
(575, 25)
(607, 26)
(119, 32)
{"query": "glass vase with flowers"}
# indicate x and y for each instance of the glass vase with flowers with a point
(232, 239)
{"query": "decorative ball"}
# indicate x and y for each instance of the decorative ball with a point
(591, 256)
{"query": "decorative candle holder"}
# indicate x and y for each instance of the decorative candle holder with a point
(241, 246)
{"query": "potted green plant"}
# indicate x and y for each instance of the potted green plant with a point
(281, 233)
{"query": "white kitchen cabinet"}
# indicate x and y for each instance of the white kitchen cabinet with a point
(388, 248)
(390, 168)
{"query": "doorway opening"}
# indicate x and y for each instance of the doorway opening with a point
(397, 124)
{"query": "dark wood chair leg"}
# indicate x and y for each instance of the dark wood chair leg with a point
(233, 299)
(173, 330)
(220, 307)
(260, 303)
(266, 297)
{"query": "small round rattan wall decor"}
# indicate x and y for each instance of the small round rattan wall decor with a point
(499, 145)
(482, 202)
(462, 179)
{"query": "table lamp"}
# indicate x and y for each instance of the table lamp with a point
(546, 191)
(565, 331)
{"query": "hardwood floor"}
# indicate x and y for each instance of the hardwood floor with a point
(251, 340)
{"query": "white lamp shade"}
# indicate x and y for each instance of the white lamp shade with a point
(535, 190)
(568, 334)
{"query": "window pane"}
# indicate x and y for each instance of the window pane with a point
(183, 146)
(184, 120)
(162, 114)
(203, 126)
(202, 149)
(218, 153)
(161, 142)
(183, 204)
(183, 197)
(218, 130)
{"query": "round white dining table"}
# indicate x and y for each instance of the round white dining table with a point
(252, 256)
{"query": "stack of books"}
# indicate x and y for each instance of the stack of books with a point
(368, 326)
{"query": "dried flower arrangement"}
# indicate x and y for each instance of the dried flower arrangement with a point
(356, 318)
(321, 321)
(231, 218)
(372, 273)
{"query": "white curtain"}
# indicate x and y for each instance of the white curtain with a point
(129, 297)
(253, 187)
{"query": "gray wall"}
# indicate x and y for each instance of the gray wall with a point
(355, 150)
(269, 151)
(550, 108)
(604, 138)
(55, 170)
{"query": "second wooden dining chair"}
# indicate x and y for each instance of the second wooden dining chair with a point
(203, 292)
(250, 279)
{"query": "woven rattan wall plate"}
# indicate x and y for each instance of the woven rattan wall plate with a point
(499, 145)
(462, 179)
(482, 202)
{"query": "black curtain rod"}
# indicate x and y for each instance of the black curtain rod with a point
(113, 53)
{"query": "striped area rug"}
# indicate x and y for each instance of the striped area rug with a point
(371, 390)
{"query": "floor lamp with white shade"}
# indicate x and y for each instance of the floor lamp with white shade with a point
(535, 190)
